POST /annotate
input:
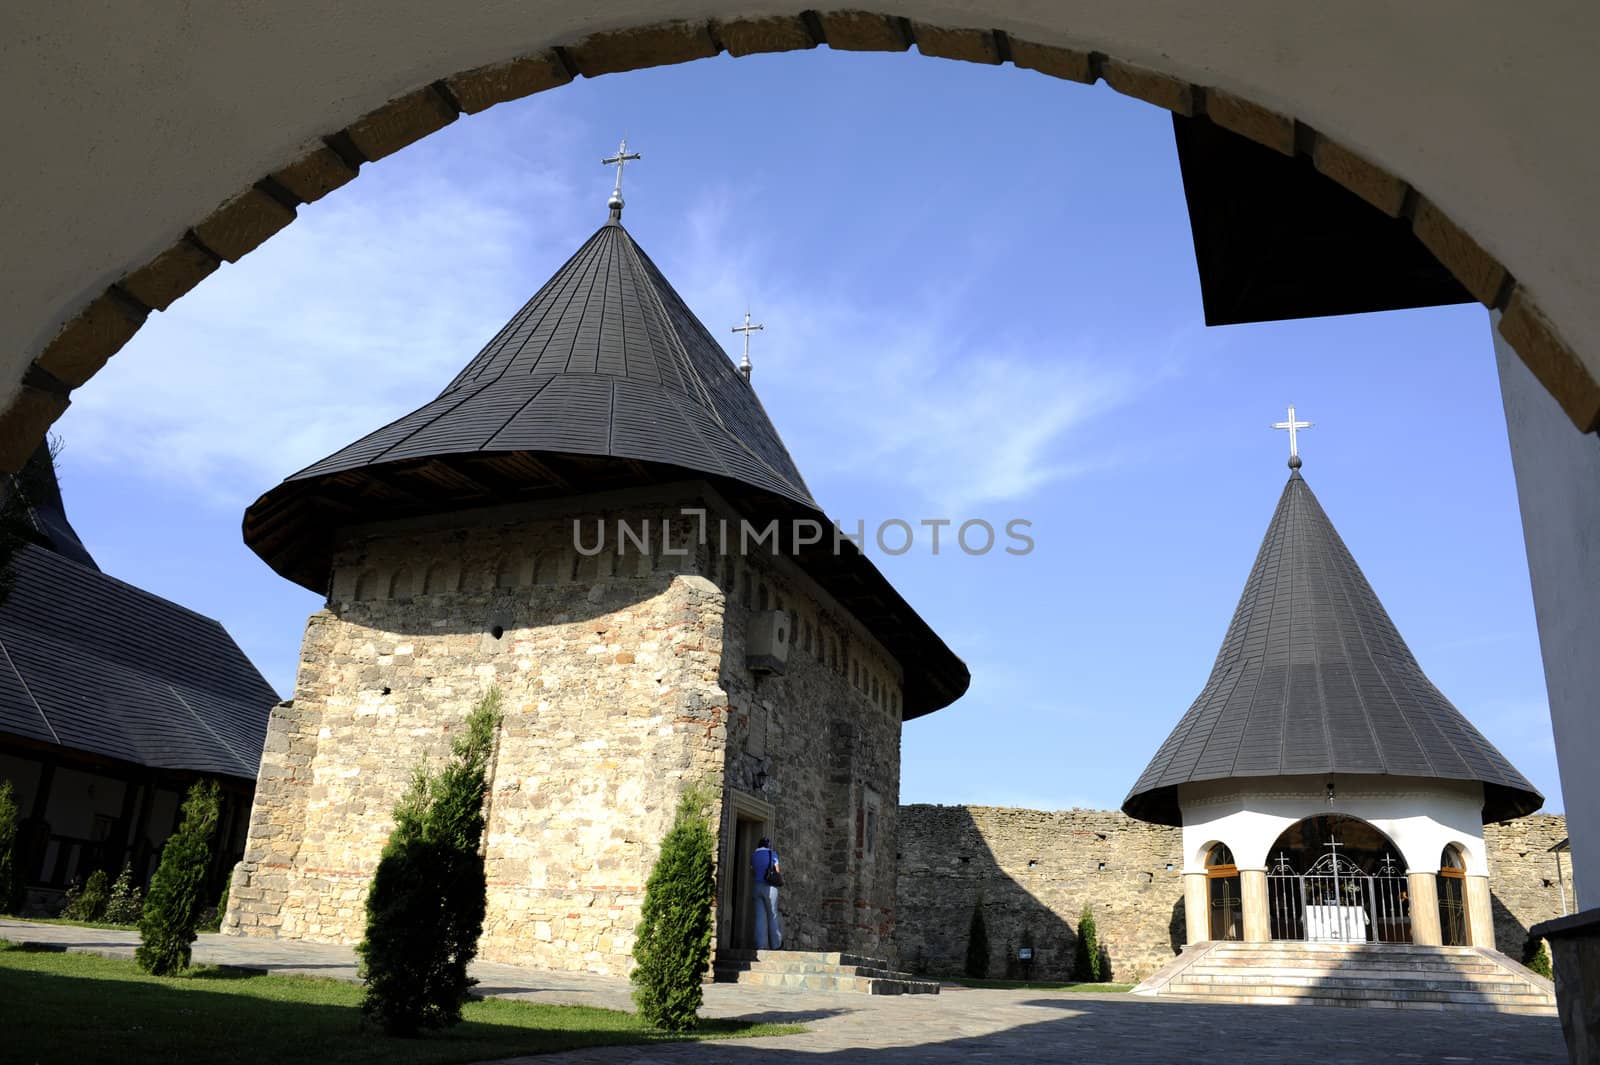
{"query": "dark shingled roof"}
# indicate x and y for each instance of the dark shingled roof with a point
(92, 664)
(1313, 678)
(605, 379)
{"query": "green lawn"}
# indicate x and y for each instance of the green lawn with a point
(75, 1008)
(967, 981)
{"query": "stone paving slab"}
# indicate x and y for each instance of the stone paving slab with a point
(999, 1027)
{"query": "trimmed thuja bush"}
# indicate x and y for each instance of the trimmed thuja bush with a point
(674, 940)
(977, 943)
(173, 909)
(425, 909)
(88, 902)
(126, 902)
(1537, 957)
(10, 882)
(1086, 965)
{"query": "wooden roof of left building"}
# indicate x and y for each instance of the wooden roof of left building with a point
(92, 664)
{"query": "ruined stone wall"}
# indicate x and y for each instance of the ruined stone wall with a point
(1035, 871)
(608, 670)
(827, 735)
(1523, 885)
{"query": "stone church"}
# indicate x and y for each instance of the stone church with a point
(597, 517)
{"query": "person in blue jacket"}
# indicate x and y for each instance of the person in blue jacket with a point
(769, 936)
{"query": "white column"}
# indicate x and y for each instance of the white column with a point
(1196, 907)
(1558, 488)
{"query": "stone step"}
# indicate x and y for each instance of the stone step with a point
(1535, 1010)
(1270, 985)
(808, 967)
(1288, 978)
(819, 957)
(1386, 976)
(817, 981)
(1375, 971)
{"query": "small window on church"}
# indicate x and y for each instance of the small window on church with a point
(761, 598)
(1451, 859)
(1219, 855)
(727, 575)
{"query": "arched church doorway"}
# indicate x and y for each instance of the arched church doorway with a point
(1453, 898)
(1222, 891)
(1337, 879)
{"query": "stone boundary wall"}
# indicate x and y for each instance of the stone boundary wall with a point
(1037, 869)
(1523, 885)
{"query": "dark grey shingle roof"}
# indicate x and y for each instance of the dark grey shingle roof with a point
(93, 664)
(1313, 678)
(604, 379)
(605, 359)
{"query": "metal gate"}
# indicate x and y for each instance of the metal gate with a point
(1335, 901)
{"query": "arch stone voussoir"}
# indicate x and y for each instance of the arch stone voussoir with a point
(247, 220)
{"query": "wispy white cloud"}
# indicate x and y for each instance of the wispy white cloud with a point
(351, 317)
(963, 415)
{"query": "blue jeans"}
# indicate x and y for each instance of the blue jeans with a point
(769, 936)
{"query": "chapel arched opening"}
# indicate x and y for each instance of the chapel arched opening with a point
(1334, 878)
(1452, 888)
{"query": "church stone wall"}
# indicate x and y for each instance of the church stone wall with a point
(1036, 870)
(608, 670)
(827, 735)
(1523, 884)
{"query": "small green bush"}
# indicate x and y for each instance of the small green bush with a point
(172, 911)
(1536, 956)
(88, 903)
(126, 902)
(426, 905)
(1086, 958)
(10, 879)
(673, 945)
(977, 965)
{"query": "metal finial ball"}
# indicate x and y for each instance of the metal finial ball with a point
(1294, 462)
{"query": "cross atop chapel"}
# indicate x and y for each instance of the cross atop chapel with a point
(1294, 442)
(620, 160)
(746, 329)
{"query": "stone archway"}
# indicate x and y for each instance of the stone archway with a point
(425, 73)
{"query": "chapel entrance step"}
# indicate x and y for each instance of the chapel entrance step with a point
(816, 971)
(1380, 975)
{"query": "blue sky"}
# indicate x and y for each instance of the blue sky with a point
(980, 300)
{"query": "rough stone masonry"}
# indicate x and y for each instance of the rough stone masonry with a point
(623, 679)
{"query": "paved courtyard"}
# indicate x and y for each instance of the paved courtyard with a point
(999, 1027)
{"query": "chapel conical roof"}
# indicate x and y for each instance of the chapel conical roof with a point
(603, 380)
(1314, 678)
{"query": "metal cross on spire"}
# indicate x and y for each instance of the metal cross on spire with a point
(746, 329)
(620, 160)
(1294, 442)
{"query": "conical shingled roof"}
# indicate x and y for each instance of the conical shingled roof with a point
(1313, 678)
(604, 379)
(605, 359)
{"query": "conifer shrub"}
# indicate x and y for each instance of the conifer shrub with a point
(126, 902)
(88, 901)
(1536, 956)
(426, 905)
(1086, 958)
(10, 878)
(673, 945)
(977, 965)
(172, 911)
